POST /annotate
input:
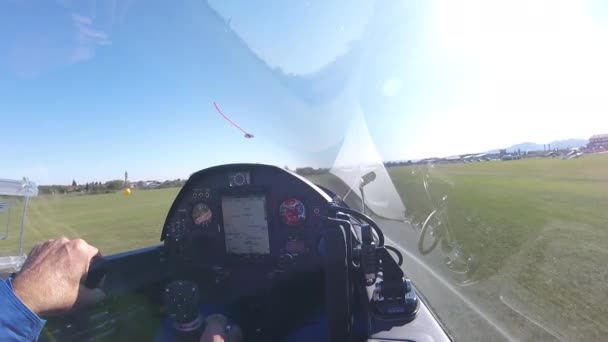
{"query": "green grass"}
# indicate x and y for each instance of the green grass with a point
(112, 222)
(494, 207)
(538, 228)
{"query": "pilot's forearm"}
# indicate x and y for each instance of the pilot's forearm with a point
(17, 322)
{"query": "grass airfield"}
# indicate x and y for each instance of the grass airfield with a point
(537, 227)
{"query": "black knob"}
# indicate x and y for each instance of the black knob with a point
(181, 301)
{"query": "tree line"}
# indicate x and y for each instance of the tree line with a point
(106, 187)
(308, 171)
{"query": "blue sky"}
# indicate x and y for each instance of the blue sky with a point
(89, 89)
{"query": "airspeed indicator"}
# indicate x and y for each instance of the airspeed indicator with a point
(201, 214)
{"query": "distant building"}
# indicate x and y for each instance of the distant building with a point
(148, 184)
(536, 154)
(598, 142)
(489, 156)
(453, 159)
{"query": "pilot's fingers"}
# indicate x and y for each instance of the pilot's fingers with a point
(218, 330)
(84, 250)
(216, 324)
(221, 331)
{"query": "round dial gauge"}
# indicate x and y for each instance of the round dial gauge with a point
(238, 178)
(201, 214)
(292, 212)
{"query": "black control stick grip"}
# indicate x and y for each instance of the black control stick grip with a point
(97, 270)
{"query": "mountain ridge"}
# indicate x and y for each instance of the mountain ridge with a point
(559, 144)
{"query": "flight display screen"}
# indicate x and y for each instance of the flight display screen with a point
(245, 224)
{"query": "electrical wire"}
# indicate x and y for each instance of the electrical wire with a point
(365, 218)
(396, 251)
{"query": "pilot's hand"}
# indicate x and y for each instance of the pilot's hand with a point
(51, 279)
(218, 330)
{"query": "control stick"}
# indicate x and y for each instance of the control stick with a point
(182, 305)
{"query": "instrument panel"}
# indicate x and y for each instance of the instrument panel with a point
(246, 214)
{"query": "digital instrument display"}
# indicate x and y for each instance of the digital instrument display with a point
(245, 224)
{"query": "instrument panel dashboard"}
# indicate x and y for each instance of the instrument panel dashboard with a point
(246, 214)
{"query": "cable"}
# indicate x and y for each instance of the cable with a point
(396, 251)
(364, 218)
